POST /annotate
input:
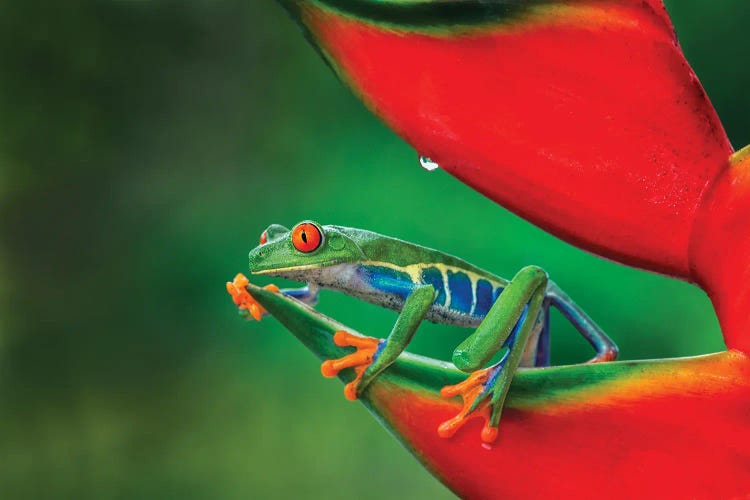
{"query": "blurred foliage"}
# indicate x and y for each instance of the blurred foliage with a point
(144, 145)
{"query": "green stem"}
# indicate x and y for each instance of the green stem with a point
(530, 387)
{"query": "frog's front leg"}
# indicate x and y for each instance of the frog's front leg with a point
(307, 294)
(249, 307)
(506, 327)
(375, 355)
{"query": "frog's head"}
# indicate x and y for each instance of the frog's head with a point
(296, 254)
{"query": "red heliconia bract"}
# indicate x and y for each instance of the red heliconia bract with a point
(581, 116)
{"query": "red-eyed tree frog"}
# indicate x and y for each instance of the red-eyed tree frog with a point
(510, 318)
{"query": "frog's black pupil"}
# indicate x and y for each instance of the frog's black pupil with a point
(304, 236)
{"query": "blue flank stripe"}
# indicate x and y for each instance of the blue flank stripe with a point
(485, 298)
(459, 285)
(433, 276)
(387, 280)
(399, 283)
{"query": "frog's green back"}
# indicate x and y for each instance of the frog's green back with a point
(385, 249)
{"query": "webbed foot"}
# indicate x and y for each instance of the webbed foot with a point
(367, 352)
(481, 393)
(242, 298)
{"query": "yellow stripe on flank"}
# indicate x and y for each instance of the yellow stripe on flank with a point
(444, 273)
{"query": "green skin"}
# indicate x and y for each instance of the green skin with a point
(402, 276)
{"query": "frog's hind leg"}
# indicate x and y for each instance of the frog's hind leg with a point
(606, 349)
(543, 352)
(477, 391)
(505, 329)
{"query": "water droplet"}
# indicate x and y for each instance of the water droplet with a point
(428, 164)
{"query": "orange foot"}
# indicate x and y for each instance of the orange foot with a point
(473, 391)
(604, 358)
(238, 290)
(367, 350)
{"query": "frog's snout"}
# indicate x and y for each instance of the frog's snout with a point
(255, 257)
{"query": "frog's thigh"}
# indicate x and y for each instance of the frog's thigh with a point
(528, 286)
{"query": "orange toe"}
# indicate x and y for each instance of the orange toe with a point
(242, 298)
(360, 360)
(469, 390)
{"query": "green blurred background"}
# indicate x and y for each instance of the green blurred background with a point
(144, 145)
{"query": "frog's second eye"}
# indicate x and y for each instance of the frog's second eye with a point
(264, 238)
(306, 237)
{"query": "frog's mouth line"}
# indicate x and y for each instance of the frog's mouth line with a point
(291, 269)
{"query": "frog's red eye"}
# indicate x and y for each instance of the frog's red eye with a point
(306, 237)
(264, 238)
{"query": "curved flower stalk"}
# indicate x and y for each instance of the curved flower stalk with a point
(673, 427)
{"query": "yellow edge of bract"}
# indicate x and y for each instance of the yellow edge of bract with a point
(703, 375)
(740, 157)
